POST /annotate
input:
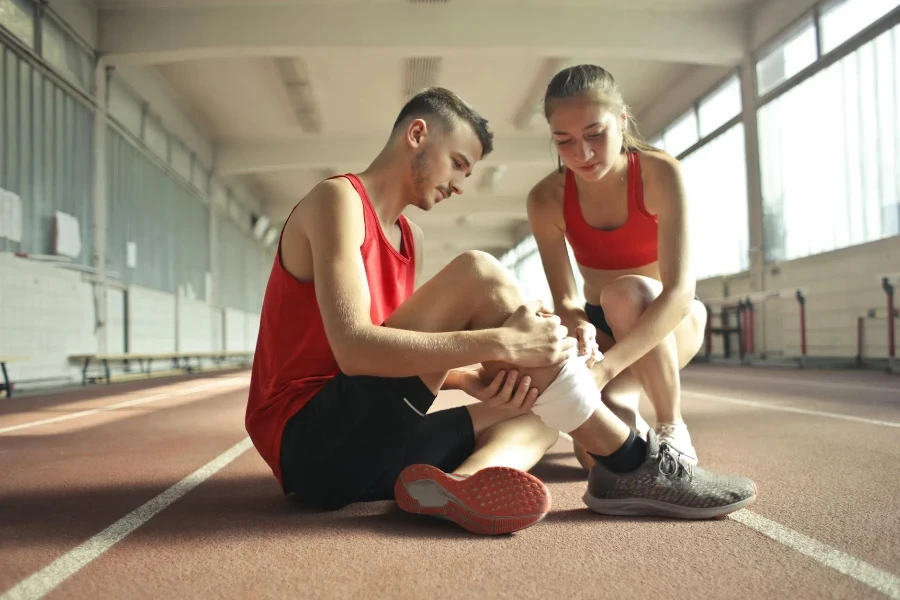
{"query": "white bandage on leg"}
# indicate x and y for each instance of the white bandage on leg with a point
(572, 397)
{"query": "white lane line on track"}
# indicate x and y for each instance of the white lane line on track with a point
(49, 578)
(855, 387)
(882, 581)
(791, 409)
(127, 403)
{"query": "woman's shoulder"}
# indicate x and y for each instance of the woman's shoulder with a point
(661, 175)
(548, 189)
(545, 199)
(658, 163)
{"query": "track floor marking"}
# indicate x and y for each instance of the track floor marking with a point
(882, 581)
(49, 578)
(855, 568)
(789, 381)
(111, 407)
(802, 411)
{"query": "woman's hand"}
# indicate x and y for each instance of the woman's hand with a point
(586, 335)
(505, 390)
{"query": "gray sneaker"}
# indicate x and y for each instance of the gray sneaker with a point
(667, 485)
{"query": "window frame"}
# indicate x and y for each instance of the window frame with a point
(882, 25)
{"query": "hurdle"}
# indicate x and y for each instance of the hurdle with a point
(890, 314)
(728, 308)
(744, 306)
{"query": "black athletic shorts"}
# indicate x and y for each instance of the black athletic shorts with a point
(350, 442)
(597, 318)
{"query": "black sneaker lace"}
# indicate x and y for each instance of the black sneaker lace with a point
(670, 463)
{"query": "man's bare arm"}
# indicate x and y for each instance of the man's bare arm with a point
(334, 224)
(453, 381)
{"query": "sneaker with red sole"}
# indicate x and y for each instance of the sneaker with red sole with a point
(493, 501)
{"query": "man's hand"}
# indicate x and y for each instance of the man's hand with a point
(586, 336)
(502, 391)
(535, 338)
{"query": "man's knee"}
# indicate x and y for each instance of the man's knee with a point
(624, 300)
(483, 267)
(485, 283)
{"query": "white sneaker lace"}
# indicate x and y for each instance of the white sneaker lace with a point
(670, 463)
(669, 430)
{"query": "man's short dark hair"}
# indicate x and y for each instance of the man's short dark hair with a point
(448, 108)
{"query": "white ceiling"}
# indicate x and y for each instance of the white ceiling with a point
(231, 64)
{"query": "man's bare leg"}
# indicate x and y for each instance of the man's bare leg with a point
(518, 441)
(475, 292)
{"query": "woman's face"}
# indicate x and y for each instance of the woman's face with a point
(588, 136)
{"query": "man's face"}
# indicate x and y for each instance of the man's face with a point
(443, 160)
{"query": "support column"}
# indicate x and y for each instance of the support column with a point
(212, 294)
(102, 74)
(755, 210)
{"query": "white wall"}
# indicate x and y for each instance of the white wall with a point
(842, 285)
(115, 321)
(195, 326)
(151, 320)
(46, 314)
(235, 329)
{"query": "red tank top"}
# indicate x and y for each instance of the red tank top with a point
(293, 358)
(632, 245)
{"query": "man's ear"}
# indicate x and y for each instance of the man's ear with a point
(416, 133)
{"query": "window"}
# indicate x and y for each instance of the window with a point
(830, 155)
(682, 134)
(156, 138)
(199, 177)
(125, 107)
(17, 16)
(218, 196)
(524, 261)
(530, 273)
(65, 55)
(720, 106)
(796, 51)
(842, 19)
(181, 159)
(715, 180)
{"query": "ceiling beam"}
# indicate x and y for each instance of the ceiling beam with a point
(165, 35)
(341, 152)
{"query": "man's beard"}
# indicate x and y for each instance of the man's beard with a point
(420, 175)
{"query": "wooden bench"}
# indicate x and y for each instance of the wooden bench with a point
(7, 385)
(180, 361)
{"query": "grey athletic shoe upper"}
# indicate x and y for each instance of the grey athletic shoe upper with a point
(667, 485)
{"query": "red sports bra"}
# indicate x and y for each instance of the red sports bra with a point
(632, 245)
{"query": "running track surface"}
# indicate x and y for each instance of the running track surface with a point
(140, 491)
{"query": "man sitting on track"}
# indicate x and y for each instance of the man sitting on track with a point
(350, 358)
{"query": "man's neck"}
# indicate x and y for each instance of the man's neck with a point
(385, 182)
